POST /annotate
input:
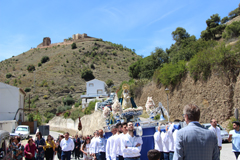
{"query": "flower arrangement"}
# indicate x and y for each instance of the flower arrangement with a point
(106, 112)
(116, 108)
(150, 106)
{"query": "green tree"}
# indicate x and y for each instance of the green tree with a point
(87, 74)
(180, 34)
(234, 13)
(213, 27)
(74, 45)
(232, 30)
(45, 59)
(31, 68)
(109, 82)
(224, 20)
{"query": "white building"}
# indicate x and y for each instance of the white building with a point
(11, 102)
(94, 89)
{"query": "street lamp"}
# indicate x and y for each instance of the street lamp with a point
(167, 92)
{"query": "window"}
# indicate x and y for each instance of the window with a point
(22, 129)
(91, 85)
(99, 91)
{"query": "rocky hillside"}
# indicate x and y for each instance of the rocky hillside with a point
(216, 97)
(61, 74)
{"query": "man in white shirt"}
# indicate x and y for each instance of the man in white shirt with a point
(217, 132)
(117, 152)
(165, 142)
(131, 145)
(110, 144)
(100, 146)
(67, 146)
(93, 144)
(169, 135)
(158, 142)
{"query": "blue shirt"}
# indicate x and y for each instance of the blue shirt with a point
(235, 140)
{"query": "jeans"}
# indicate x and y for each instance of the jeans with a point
(101, 156)
(236, 154)
(165, 156)
(161, 156)
(66, 155)
(131, 159)
(171, 155)
(120, 158)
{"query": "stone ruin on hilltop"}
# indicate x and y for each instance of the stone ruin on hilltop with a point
(75, 38)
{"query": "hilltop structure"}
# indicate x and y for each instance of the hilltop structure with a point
(75, 38)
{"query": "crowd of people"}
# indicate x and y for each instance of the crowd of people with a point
(191, 142)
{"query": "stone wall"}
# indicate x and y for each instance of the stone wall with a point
(217, 97)
(90, 123)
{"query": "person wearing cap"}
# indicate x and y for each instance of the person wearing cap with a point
(234, 135)
(110, 143)
(131, 145)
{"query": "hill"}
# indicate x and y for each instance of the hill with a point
(61, 73)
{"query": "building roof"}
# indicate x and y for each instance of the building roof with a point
(20, 89)
(95, 80)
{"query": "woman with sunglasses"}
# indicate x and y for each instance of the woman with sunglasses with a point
(40, 142)
(30, 150)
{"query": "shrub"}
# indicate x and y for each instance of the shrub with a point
(92, 66)
(31, 68)
(87, 74)
(91, 107)
(8, 75)
(60, 109)
(45, 97)
(157, 117)
(83, 48)
(68, 100)
(30, 117)
(38, 118)
(76, 104)
(44, 84)
(24, 74)
(232, 30)
(66, 114)
(7, 81)
(170, 74)
(39, 64)
(76, 113)
(230, 125)
(27, 89)
(71, 87)
(74, 45)
(109, 82)
(45, 59)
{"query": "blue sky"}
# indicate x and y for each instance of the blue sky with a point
(137, 24)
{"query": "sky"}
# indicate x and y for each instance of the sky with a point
(142, 25)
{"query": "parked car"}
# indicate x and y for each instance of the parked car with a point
(23, 130)
(224, 133)
(5, 149)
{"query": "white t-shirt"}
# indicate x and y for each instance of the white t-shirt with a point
(67, 145)
(158, 141)
(109, 148)
(128, 146)
(217, 132)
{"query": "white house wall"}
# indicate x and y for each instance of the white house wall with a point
(9, 102)
(97, 84)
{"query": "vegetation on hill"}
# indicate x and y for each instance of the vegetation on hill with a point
(200, 57)
(57, 75)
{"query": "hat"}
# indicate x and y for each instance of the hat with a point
(237, 122)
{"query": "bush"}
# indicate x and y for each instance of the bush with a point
(76, 113)
(87, 74)
(8, 75)
(157, 117)
(76, 104)
(92, 66)
(109, 82)
(232, 30)
(170, 74)
(44, 84)
(24, 75)
(45, 59)
(31, 68)
(45, 97)
(60, 109)
(74, 45)
(39, 64)
(91, 107)
(230, 125)
(27, 89)
(66, 114)
(68, 100)
(38, 118)
(30, 117)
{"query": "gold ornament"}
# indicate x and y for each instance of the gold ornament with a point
(125, 86)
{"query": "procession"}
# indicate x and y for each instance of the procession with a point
(126, 137)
